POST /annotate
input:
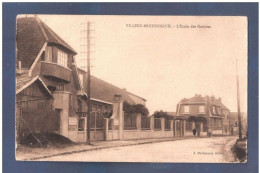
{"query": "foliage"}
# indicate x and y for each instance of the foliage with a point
(135, 109)
(197, 119)
(161, 114)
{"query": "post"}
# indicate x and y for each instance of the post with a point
(106, 129)
(184, 127)
(85, 128)
(121, 120)
(88, 86)
(152, 123)
(171, 122)
(175, 127)
(163, 124)
(238, 106)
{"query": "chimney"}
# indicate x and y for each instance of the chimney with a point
(117, 98)
(219, 99)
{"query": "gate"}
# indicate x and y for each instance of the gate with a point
(179, 128)
(97, 126)
(36, 116)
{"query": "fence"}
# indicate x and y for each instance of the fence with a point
(157, 124)
(36, 116)
(145, 123)
(167, 123)
(130, 121)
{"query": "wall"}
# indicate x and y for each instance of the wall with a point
(193, 109)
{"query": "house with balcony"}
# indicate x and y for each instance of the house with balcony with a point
(51, 89)
(205, 114)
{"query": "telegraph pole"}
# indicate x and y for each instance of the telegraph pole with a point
(88, 86)
(238, 106)
(85, 46)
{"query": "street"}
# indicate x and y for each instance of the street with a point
(204, 150)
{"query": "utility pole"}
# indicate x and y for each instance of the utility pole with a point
(238, 106)
(88, 87)
(85, 45)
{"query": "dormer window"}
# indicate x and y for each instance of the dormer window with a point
(213, 109)
(62, 58)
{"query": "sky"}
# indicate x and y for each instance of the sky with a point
(164, 65)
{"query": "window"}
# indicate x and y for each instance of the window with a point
(201, 109)
(48, 54)
(43, 56)
(186, 109)
(214, 122)
(214, 109)
(94, 107)
(219, 110)
(80, 124)
(81, 79)
(60, 87)
(62, 58)
(99, 107)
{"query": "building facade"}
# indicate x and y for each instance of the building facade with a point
(205, 114)
(51, 89)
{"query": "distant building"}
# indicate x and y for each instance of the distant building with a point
(203, 114)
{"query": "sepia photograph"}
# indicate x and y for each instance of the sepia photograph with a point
(131, 88)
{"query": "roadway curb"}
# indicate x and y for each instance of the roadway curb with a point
(103, 147)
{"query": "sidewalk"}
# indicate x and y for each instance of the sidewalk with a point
(29, 154)
(228, 151)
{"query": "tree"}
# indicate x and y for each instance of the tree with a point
(161, 114)
(135, 109)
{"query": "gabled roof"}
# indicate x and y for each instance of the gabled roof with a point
(196, 98)
(102, 90)
(20, 88)
(199, 99)
(31, 34)
(135, 95)
(223, 106)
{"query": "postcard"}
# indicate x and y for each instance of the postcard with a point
(118, 88)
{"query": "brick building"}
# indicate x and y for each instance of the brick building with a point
(201, 113)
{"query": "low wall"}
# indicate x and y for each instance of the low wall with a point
(188, 133)
(97, 135)
(216, 132)
(112, 135)
(80, 136)
(146, 134)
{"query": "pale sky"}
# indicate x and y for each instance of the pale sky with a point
(165, 65)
